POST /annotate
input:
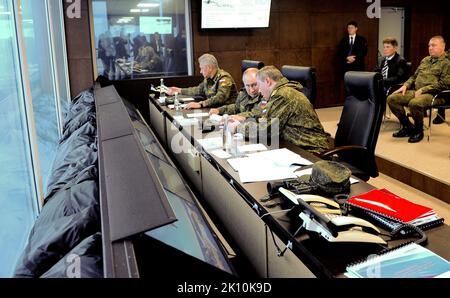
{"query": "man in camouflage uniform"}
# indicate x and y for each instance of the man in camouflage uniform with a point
(247, 101)
(441, 112)
(287, 105)
(431, 77)
(218, 87)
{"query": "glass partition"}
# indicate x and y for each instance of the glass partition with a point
(142, 38)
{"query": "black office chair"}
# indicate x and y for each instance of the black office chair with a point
(251, 63)
(359, 125)
(445, 105)
(305, 76)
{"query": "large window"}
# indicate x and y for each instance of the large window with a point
(18, 195)
(142, 38)
(42, 83)
(33, 86)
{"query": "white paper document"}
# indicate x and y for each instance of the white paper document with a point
(195, 115)
(187, 99)
(252, 147)
(187, 122)
(221, 154)
(283, 157)
(267, 165)
(215, 117)
(211, 143)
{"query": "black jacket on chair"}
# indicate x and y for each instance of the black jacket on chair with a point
(398, 71)
(359, 49)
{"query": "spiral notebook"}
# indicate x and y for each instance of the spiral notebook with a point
(409, 260)
(391, 211)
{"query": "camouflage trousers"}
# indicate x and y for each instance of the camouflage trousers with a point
(416, 105)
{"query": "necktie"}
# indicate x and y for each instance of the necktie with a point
(351, 46)
(384, 71)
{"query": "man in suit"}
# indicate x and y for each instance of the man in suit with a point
(431, 77)
(392, 66)
(352, 50)
(157, 44)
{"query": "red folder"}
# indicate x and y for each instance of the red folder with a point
(386, 203)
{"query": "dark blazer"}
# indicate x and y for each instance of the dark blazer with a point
(359, 49)
(398, 71)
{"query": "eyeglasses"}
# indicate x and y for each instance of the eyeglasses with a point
(251, 85)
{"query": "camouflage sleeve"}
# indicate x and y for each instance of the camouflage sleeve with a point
(222, 95)
(228, 109)
(443, 82)
(412, 79)
(280, 114)
(193, 91)
(254, 113)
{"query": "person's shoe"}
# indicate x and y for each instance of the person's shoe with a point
(416, 137)
(406, 131)
(438, 120)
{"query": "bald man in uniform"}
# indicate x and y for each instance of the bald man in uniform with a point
(431, 77)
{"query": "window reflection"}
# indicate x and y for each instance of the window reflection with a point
(17, 192)
(135, 40)
(36, 33)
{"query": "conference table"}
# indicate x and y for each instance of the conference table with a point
(259, 231)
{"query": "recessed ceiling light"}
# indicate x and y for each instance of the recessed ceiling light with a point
(148, 4)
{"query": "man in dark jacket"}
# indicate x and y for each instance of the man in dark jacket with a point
(352, 50)
(392, 66)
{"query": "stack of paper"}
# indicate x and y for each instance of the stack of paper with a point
(268, 165)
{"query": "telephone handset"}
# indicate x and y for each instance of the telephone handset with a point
(321, 204)
(323, 216)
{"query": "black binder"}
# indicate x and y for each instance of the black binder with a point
(390, 223)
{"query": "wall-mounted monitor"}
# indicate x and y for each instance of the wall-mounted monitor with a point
(235, 14)
(150, 25)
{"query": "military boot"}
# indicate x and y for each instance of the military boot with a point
(417, 134)
(439, 117)
(406, 130)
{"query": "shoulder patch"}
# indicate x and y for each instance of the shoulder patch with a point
(224, 82)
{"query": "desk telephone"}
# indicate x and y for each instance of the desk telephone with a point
(323, 216)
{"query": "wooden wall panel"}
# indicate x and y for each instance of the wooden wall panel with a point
(78, 41)
(296, 33)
